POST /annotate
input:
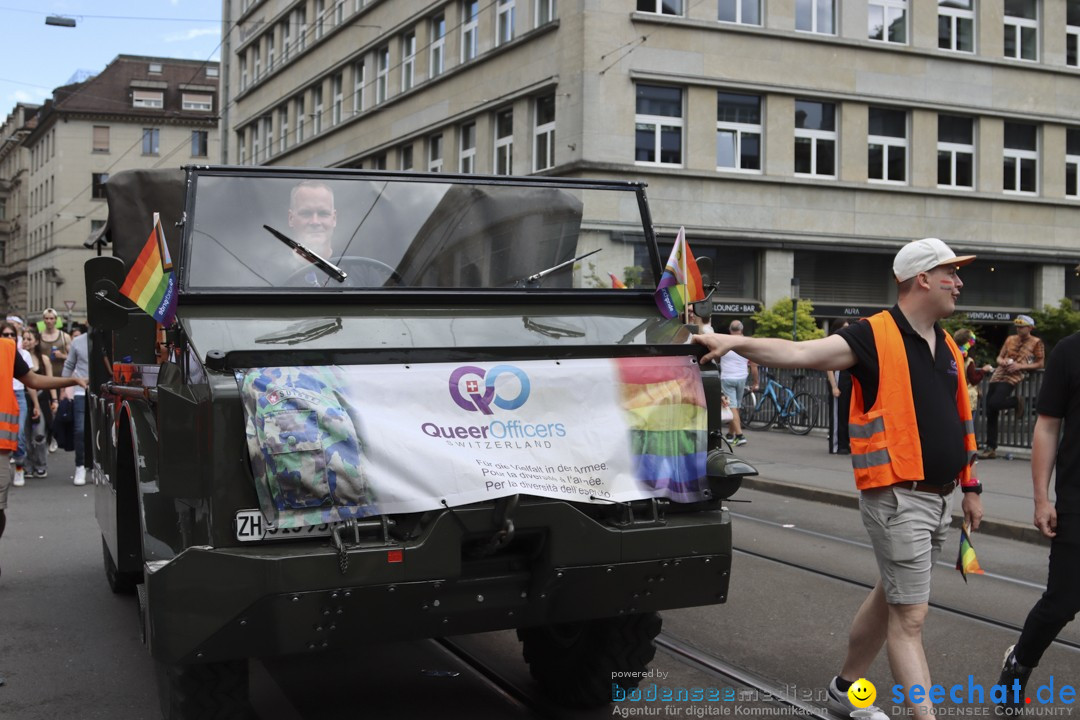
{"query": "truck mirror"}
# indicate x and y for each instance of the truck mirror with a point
(106, 308)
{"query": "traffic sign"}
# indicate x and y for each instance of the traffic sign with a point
(69, 304)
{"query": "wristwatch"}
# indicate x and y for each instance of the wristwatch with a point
(976, 488)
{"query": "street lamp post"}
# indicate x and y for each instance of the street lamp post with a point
(794, 308)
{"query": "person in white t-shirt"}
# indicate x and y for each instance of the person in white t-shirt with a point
(734, 372)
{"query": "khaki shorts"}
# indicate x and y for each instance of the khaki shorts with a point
(907, 530)
(5, 477)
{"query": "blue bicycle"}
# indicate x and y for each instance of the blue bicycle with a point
(775, 403)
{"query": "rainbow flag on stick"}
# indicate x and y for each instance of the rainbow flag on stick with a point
(966, 562)
(150, 283)
(681, 283)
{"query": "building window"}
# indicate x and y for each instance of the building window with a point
(241, 147)
(316, 109)
(339, 12)
(268, 135)
(887, 145)
(269, 52)
(405, 158)
(147, 99)
(283, 128)
(1072, 33)
(545, 12)
(408, 60)
(212, 71)
(467, 154)
(151, 141)
(738, 132)
(97, 185)
(744, 12)
(199, 143)
(1072, 162)
(382, 73)
(286, 41)
(359, 83)
(1022, 29)
(256, 146)
(887, 20)
(300, 117)
(337, 83)
(504, 22)
(816, 16)
(956, 25)
(256, 71)
(661, 7)
(201, 103)
(504, 142)
(300, 21)
(544, 134)
(243, 71)
(470, 12)
(155, 68)
(438, 45)
(815, 138)
(101, 139)
(658, 126)
(320, 18)
(1021, 158)
(956, 152)
(435, 153)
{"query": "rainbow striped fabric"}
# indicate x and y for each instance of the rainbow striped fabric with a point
(664, 403)
(966, 562)
(150, 283)
(616, 282)
(681, 281)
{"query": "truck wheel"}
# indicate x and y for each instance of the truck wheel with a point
(210, 691)
(121, 583)
(577, 663)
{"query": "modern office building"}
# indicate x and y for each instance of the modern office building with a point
(802, 139)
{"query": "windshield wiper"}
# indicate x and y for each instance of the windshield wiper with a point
(537, 277)
(310, 255)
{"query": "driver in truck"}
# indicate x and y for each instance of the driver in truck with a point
(312, 216)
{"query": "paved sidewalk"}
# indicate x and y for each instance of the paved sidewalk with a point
(801, 467)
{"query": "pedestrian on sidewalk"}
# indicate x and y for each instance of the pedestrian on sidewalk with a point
(735, 370)
(912, 442)
(1059, 400)
(1020, 353)
(37, 433)
(839, 406)
(78, 365)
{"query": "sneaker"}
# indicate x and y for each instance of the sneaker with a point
(80, 475)
(730, 438)
(987, 454)
(52, 445)
(41, 473)
(740, 440)
(20, 478)
(1013, 672)
(838, 702)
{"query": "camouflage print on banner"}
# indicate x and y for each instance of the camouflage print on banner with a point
(304, 446)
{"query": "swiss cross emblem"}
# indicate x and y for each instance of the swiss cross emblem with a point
(472, 386)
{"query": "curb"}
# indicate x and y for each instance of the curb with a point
(998, 528)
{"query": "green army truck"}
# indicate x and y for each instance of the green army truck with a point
(388, 406)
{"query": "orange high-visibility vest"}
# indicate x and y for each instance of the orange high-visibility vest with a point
(885, 447)
(9, 407)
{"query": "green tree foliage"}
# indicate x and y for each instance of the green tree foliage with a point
(776, 321)
(1054, 323)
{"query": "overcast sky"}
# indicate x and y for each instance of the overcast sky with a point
(35, 58)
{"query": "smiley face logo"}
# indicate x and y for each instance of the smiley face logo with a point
(862, 693)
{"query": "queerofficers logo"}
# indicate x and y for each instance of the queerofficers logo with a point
(473, 388)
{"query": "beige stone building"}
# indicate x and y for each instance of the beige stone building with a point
(139, 112)
(792, 138)
(14, 168)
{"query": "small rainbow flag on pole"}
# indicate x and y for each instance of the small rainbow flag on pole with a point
(150, 283)
(616, 283)
(681, 282)
(966, 562)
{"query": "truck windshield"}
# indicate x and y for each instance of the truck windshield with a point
(338, 232)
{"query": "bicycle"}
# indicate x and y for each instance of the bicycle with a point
(775, 403)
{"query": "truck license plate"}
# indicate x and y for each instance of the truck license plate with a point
(251, 526)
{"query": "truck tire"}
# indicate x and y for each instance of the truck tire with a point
(121, 583)
(577, 663)
(210, 691)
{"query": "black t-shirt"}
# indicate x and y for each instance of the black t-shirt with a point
(1060, 398)
(934, 381)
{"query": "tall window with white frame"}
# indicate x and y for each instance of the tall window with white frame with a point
(661, 7)
(435, 153)
(815, 138)
(243, 71)
(300, 22)
(658, 125)
(316, 108)
(256, 55)
(956, 152)
(269, 52)
(470, 21)
(256, 144)
(408, 60)
(743, 12)
(1021, 173)
(337, 91)
(301, 117)
(956, 25)
(320, 18)
(438, 46)
(544, 134)
(339, 12)
(283, 128)
(286, 39)
(504, 21)
(467, 151)
(504, 142)
(738, 132)
(816, 16)
(268, 135)
(151, 141)
(1072, 162)
(1022, 29)
(382, 74)
(544, 12)
(887, 146)
(1072, 33)
(887, 20)
(359, 85)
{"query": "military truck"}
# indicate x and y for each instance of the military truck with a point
(396, 406)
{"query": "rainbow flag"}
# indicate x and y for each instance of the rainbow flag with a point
(616, 282)
(680, 283)
(966, 562)
(150, 283)
(664, 404)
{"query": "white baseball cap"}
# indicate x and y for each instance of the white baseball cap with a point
(923, 256)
